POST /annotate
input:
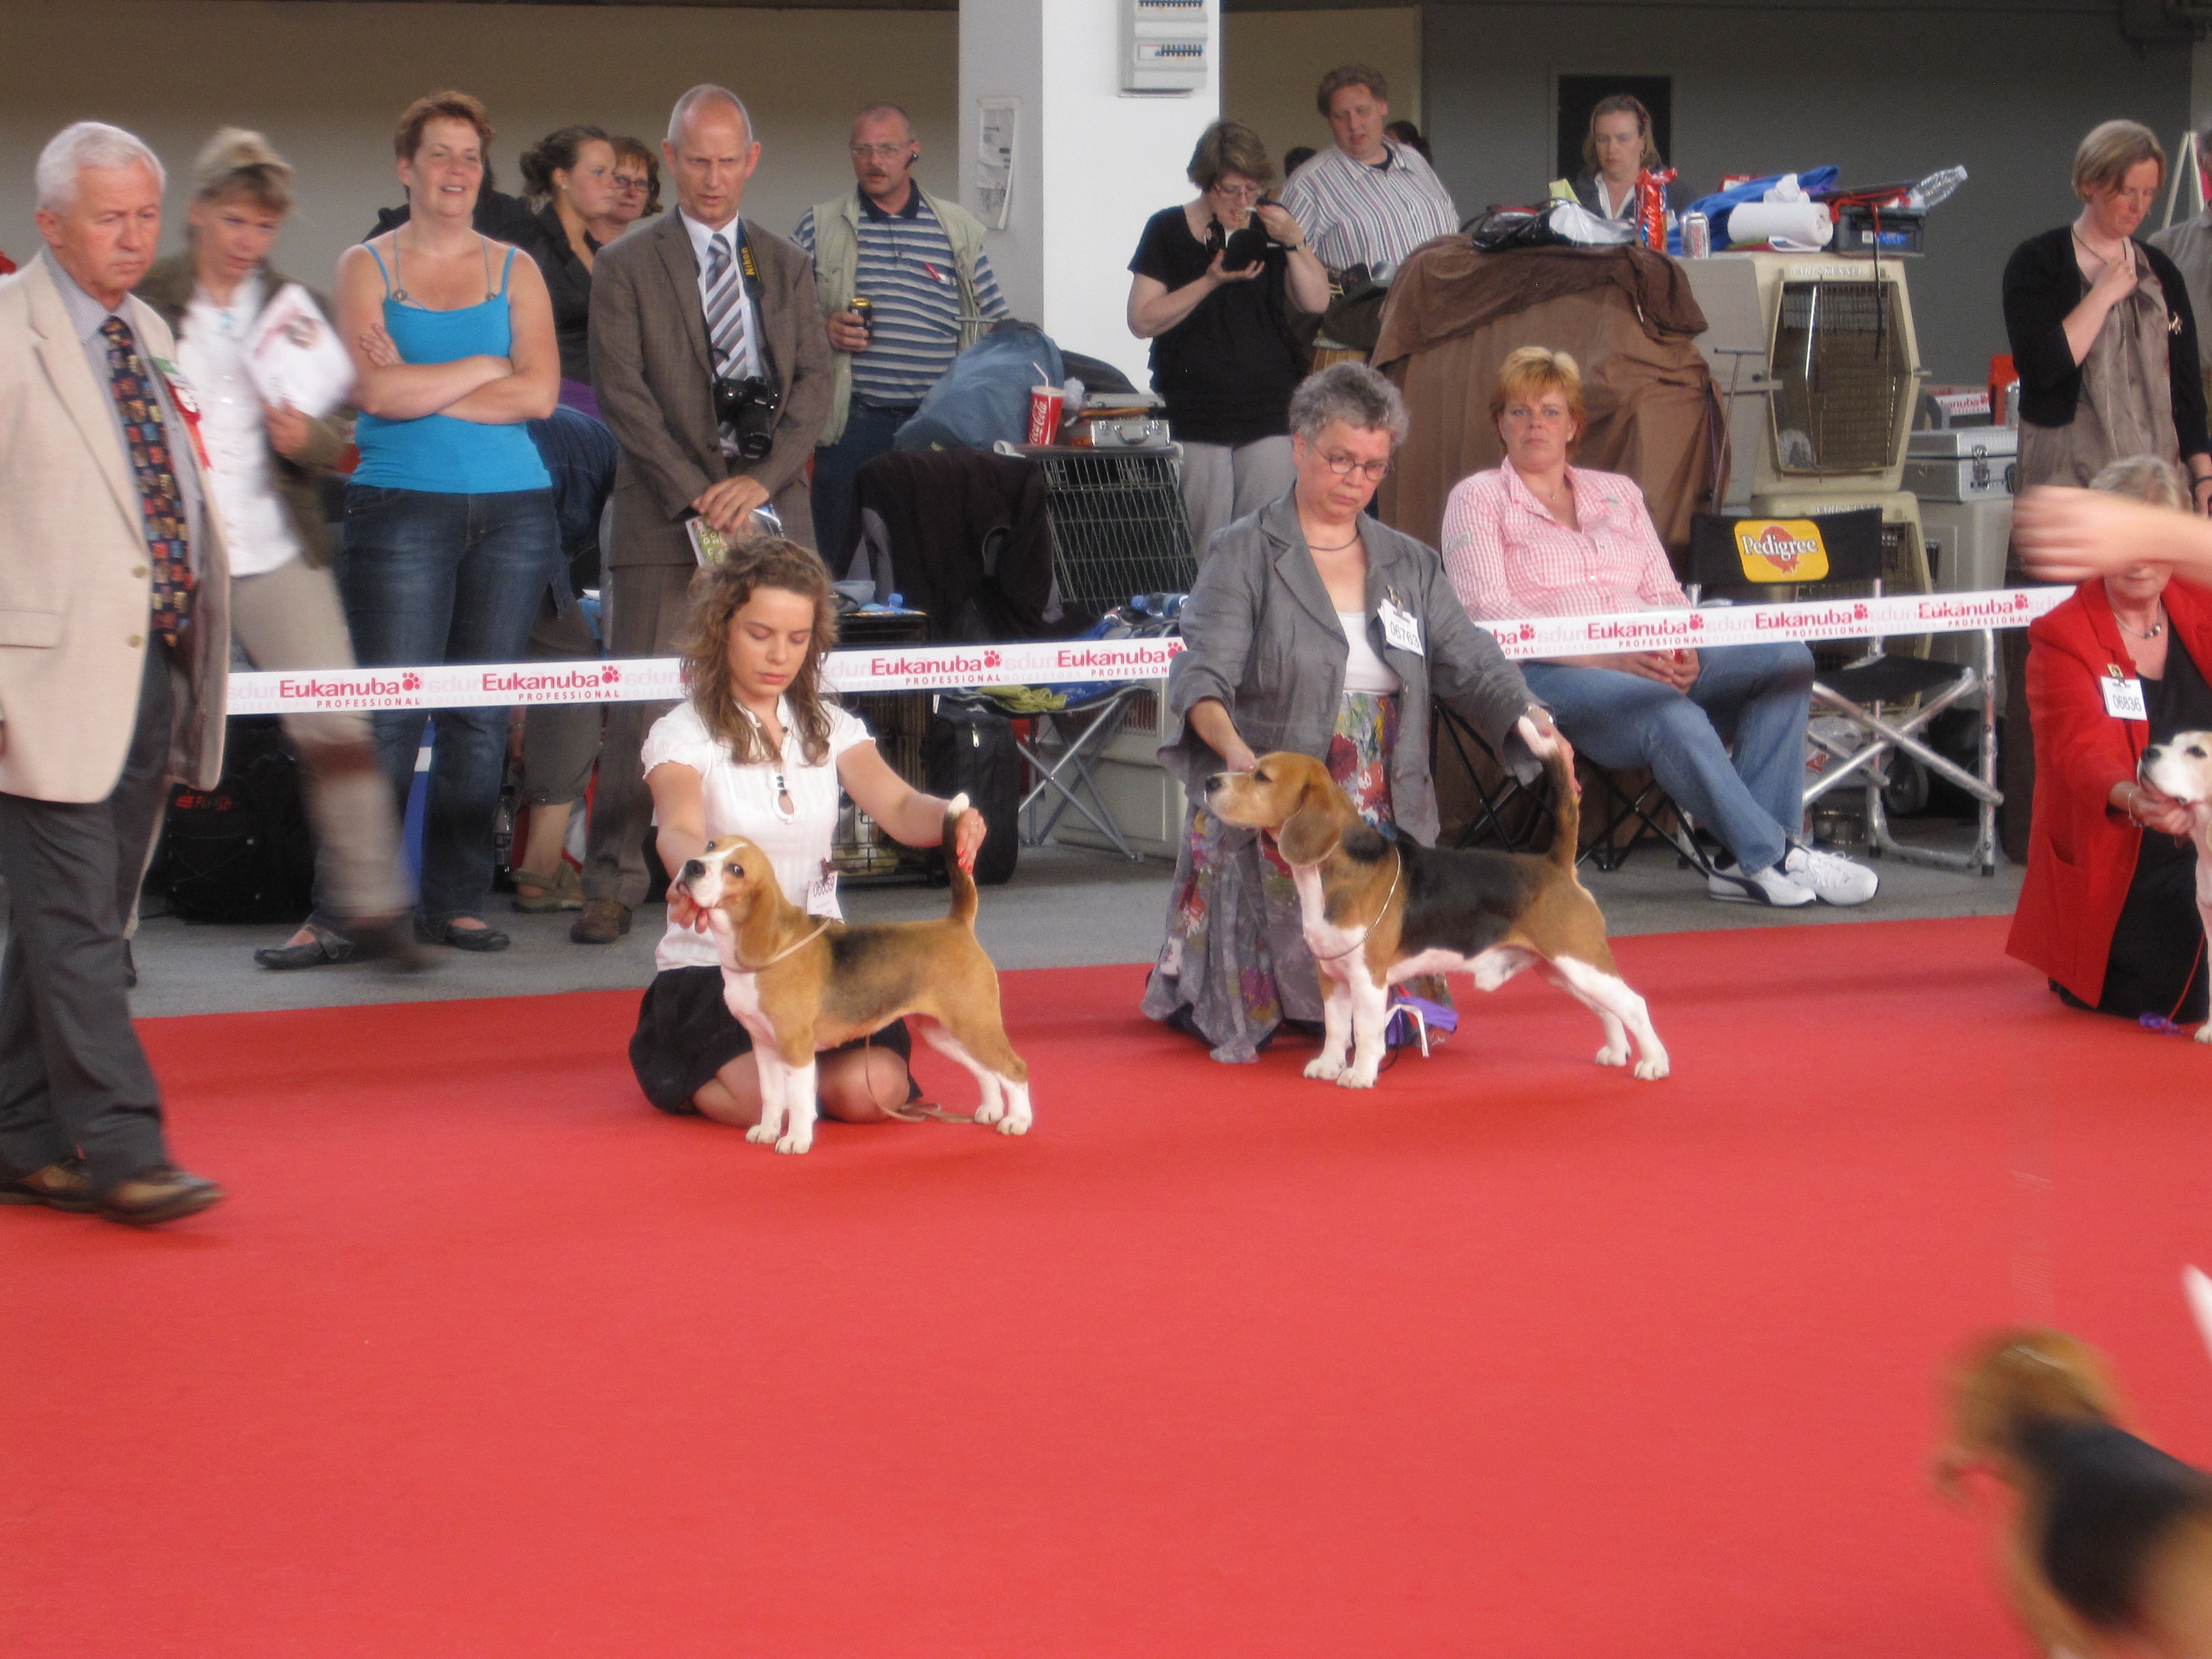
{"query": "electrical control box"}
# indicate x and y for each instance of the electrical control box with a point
(1166, 46)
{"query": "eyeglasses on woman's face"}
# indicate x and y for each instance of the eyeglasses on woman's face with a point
(636, 181)
(1235, 187)
(1345, 466)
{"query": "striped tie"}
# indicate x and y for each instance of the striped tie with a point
(726, 308)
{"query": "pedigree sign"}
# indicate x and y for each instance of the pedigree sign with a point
(1781, 550)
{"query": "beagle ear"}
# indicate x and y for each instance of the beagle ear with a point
(1309, 835)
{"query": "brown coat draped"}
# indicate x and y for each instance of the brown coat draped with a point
(1624, 314)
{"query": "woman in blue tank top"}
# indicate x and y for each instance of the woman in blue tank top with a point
(450, 533)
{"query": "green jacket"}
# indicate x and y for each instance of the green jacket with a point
(168, 289)
(837, 263)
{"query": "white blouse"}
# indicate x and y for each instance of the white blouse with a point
(211, 350)
(1363, 668)
(741, 800)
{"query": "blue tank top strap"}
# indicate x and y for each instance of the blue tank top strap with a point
(379, 257)
(505, 269)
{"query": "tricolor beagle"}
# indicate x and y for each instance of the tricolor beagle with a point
(1377, 911)
(2109, 1549)
(802, 983)
(2183, 769)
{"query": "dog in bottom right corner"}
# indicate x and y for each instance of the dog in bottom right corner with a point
(2105, 1547)
(2182, 768)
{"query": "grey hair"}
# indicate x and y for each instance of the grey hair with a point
(2144, 477)
(1353, 393)
(706, 92)
(88, 144)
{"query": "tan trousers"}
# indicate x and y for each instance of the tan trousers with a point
(292, 617)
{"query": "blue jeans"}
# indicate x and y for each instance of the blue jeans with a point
(1762, 694)
(868, 433)
(433, 578)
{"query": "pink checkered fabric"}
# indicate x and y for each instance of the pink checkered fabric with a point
(1508, 556)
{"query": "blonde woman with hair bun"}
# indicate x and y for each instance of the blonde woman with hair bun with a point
(269, 462)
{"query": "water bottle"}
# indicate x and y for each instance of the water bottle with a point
(1937, 187)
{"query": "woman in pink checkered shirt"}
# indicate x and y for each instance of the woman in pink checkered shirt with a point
(1538, 537)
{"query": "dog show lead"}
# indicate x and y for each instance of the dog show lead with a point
(757, 751)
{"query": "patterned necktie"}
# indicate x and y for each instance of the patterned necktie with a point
(160, 500)
(725, 307)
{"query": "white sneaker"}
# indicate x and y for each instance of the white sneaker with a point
(1833, 878)
(1734, 884)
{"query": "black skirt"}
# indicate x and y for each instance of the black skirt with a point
(686, 1033)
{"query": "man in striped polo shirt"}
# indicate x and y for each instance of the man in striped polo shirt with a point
(1366, 200)
(920, 262)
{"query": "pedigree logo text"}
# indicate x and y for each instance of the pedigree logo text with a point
(1781, 550)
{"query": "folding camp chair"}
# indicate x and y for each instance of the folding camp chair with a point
(1079, 734)
(1891, 699)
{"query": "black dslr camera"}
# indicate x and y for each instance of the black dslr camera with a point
(748, 409)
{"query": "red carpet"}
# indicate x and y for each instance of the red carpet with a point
(1512, 1356)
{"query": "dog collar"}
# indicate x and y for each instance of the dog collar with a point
(754, 967)
(1379, 914)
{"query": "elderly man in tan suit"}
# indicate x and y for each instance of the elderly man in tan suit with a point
(115, 648)
(703, 296)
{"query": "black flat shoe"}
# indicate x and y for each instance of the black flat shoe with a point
(460, 937)
(390, 942)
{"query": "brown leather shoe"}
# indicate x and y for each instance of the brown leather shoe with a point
(164, 1193)
(63, 1185)
(603, 921)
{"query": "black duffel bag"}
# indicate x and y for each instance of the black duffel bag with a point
(970, 751)
(241, 851)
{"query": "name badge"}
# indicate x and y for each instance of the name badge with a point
(821, 891)
(2124, 698)
(1400, 631)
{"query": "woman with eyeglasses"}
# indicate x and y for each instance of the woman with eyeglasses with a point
(1315, 628)
(1213, 284)
(637, 190)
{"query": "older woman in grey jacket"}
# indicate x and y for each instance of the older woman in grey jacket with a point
(1313, 628)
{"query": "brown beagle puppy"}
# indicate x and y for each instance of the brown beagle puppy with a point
(2109, 1549)
(1377, 911)
(801, 983)
(2183, 769)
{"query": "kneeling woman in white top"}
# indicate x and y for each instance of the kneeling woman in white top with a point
(758, 751)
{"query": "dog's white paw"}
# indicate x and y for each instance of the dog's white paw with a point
(1015, 1123)
(762, 1133)
(1358, 1077)
(797, 1141)
(991, 1110)
(1611, 1056)
(1651, 1070)
(2204, 1032)
(1324, 1069)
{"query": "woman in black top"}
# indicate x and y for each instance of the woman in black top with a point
(1218, 314)
(572, 172)
(2101, 330)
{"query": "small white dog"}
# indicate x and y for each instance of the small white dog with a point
(2183, 769)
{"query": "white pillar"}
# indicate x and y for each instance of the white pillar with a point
(1091, 163)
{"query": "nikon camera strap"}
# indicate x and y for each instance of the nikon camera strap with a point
(749, 269)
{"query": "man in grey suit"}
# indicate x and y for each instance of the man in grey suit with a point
(114, 654)
(703, 296)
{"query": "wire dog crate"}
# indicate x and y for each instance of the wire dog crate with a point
(900, 720)
(1117, 522)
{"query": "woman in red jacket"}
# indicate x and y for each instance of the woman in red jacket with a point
(2109, 907)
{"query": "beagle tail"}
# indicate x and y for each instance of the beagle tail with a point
(1567, 812)
(964, 883)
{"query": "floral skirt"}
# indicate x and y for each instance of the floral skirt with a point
(1234, 965)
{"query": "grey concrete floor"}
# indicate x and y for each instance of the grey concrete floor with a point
(1066, 907)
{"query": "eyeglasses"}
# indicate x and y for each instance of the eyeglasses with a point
(1344, 466)
(1246, 191)
(881, 152)
(626, 181)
